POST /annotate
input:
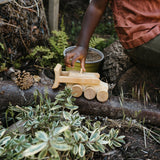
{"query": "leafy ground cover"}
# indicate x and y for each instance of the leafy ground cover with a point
(56, 130)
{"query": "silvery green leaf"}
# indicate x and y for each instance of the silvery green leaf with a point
(113, 133)
(60, 139)
(76, 136)
(18, 149)
(102, 128)
(69, 100)
(59, 130)
(60, 99)
(100, 147)
(71, 107)
(77, 122)
(53, 152)
(56, 107)
(41, 135)
(84, 137)
(86, 128)
(116, 133)
(2, 131)
(116, 144)
(110, 143)
(68, 134)
(1, 150)
(75, 149)
(97, 124)
(32, 150)
(103, 142)
(95, 135)
(67, 115)
(81, 150)
(4, 140)
(61, 146)
(26, 145)
(91, 147)
(120, 138)
(42, 154)
(22, 138)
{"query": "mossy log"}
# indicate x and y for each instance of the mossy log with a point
(113, 108)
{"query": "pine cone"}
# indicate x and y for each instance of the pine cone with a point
(24, 80)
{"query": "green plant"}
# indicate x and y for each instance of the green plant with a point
(53, 54)
(58, 42)
(97, 42)
(2, 63)
(42, 56)
(55, 130)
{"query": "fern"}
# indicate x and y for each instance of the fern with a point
(58, 41)
(95, 41)
(41, 55)
(62, 24)
(38, 49)
(50, 56)
(2, 46)
(2, 64)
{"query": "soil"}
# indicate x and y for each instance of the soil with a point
(93, 56)
(136, 147)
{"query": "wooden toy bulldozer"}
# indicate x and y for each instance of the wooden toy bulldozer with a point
(78, 82)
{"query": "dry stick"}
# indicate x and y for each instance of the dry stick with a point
(23, 41)
(44, 15)
(24, 6)
(23, 110)
(8, 24)
(37, 7)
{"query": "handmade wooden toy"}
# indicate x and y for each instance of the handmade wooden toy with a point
(86, 82)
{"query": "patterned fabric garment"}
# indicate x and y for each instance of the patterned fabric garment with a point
(136, 21)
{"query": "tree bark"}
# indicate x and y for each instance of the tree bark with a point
(114, 108)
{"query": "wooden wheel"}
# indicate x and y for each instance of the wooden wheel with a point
(89, 93)
(102, 96)
(77, 90)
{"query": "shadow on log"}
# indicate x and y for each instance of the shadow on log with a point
(113, 108)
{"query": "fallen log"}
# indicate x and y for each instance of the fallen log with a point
(114, 108)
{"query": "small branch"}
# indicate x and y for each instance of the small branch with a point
(24, 6)
(20, 108)
(23, 41)
(8, 24)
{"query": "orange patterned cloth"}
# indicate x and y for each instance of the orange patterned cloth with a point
(136, 21)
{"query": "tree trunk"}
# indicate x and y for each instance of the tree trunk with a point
(113, 108)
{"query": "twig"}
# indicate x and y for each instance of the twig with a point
(8, 24)
(24, 6)
(23, 41)
(21, 109)
(37, 7)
